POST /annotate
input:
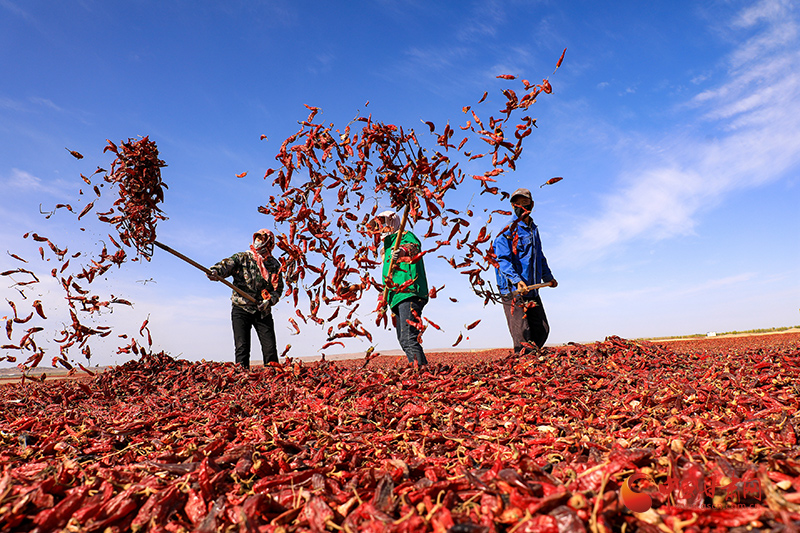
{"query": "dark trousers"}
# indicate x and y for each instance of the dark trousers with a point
(265, 329)
(407, 334)
(527, 321)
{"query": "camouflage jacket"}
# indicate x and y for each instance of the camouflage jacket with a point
(247, 277)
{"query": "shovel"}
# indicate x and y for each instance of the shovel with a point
(204, 269)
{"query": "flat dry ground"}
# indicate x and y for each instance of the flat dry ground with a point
(789, 337)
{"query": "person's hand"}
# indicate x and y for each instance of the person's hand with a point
(397, 254)
(521, 286)
(212, 276)
(275, 279)
(553, 283)
(264, 306)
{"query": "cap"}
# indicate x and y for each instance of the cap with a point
(262, 231)
(522, 192)
(268, 239)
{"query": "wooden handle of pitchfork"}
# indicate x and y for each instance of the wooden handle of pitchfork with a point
(532, 287)
(394, 249)
(204, 269)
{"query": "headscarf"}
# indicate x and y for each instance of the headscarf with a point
(263, 251)
(391, 220)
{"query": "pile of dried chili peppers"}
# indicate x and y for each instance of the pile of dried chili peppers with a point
(479, 443)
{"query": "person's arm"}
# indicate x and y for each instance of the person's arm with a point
(224, 268)
(409, 247)
(277, 286)
(547, 275)
(504, 257)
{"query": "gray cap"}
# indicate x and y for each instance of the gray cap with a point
(522, 192)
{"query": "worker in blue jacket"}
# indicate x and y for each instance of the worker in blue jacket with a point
(520, 264)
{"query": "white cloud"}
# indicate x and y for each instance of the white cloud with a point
(45, 102)
(484, 22)
(433, 60)
(14, 105)
(14, 8)
(706, 286)
(323, 63)
(25, 107)
(24, 181)
(756, 114)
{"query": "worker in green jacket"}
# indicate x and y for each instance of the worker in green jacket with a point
(407, 291)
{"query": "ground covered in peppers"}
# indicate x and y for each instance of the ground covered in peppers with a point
(478, 442)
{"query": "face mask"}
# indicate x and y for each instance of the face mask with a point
(520, 211)
(258, 243)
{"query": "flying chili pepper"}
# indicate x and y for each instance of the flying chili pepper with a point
(37, 304)
(560, 59)
(551, 181)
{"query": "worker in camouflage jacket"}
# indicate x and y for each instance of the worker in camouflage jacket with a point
(256, 273)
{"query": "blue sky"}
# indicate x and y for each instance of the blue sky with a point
(675, 125)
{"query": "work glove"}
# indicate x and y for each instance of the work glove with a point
(213, 276)
(397, 254)
(264, 306)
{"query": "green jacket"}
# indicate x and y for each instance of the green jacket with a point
(405, 271)
(248, 278)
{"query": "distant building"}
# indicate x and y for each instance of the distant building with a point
(711, 334)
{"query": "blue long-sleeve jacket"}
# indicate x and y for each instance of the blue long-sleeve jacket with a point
(528, 264)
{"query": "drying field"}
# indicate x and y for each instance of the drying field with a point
(479, 442)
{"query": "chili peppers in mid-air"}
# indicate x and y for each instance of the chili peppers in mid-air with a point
(332, 181)
(136, 174)
(551, 181)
